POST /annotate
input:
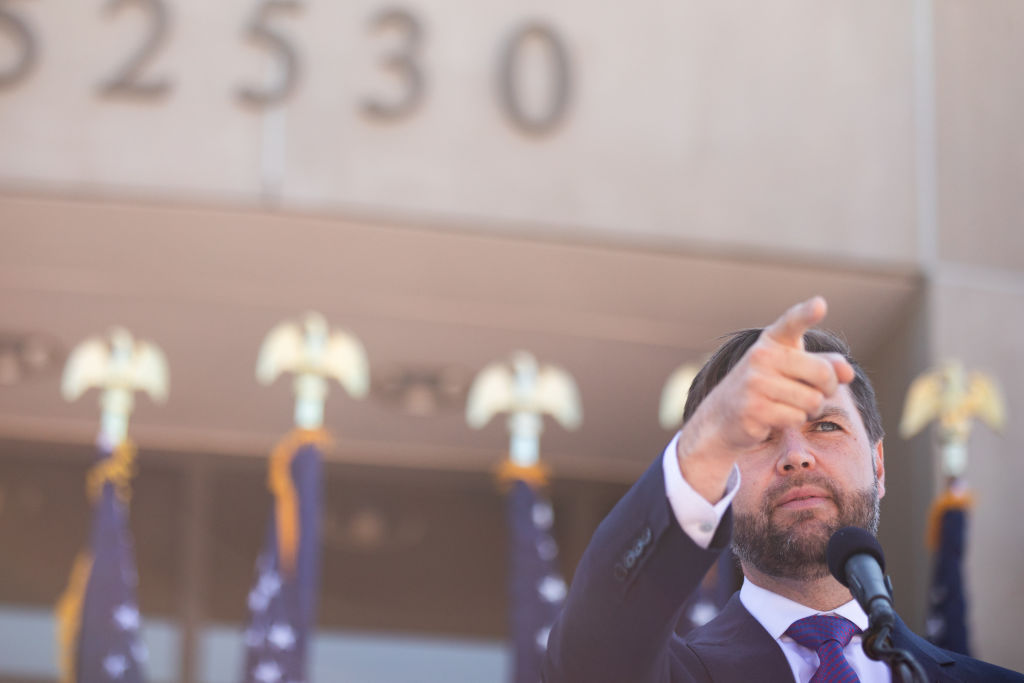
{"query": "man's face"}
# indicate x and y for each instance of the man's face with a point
(801, 485)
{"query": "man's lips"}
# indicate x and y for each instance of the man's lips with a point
(803, 498)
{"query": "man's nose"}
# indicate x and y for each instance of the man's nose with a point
(795, 454)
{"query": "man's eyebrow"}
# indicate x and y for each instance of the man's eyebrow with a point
(831, 411)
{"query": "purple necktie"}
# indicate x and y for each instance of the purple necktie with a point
(827, 635)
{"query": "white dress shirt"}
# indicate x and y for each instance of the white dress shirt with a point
(699, 519)
(695, 514)
(776, 613)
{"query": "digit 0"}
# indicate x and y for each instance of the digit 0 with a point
(543, 119)
(27, 48)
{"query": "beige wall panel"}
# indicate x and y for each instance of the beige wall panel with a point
(979, 53)
(982, 325)
(786, 127)
(57, 131)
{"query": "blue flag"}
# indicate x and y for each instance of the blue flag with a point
(98, 615)
(722, 580)
(536, 588)
(946, 624)
(282, 602)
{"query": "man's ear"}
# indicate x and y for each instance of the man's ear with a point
(879, 465)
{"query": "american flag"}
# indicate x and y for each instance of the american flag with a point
(99, 615)
(946, 623)
(536, 589)
(282, 601)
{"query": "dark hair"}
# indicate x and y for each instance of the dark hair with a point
(815, 341)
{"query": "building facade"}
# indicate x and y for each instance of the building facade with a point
(610, 187)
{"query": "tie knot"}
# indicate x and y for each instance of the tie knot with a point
(813, 632)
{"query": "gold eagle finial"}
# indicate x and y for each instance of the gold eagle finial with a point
(953, 398)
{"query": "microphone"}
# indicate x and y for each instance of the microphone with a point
(856, 560)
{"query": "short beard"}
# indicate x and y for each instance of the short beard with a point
(797, 551)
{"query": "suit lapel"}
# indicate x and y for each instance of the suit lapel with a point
(936, 662)
(735, 647)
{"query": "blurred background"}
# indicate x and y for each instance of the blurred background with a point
(611, 187)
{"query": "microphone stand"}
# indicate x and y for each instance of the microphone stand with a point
(877, 642)
(856, 561)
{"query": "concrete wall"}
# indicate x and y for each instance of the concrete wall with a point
(977, 297)
(784, 129)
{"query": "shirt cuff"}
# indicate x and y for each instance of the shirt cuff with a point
(695, 514)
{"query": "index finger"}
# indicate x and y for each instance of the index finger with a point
(790, 327)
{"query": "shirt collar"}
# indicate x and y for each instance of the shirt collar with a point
(776, 613)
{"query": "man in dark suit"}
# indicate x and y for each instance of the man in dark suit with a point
(781, 445)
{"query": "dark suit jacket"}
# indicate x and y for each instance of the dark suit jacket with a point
(640, 567)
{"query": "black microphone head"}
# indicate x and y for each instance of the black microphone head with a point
(846, 543)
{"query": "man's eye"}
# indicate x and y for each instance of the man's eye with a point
(826, 426)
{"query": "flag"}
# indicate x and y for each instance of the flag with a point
(282, 601)
(98, 615)
(536, 588)
(946, 624)
(722, 580)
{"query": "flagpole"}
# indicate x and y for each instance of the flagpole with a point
(282, 601)
(952, 399)
(536, 590)
(97, 615)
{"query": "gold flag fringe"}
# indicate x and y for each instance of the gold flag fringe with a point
(118, 469)
(69, 616)
(280, 483)
(949, 500)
